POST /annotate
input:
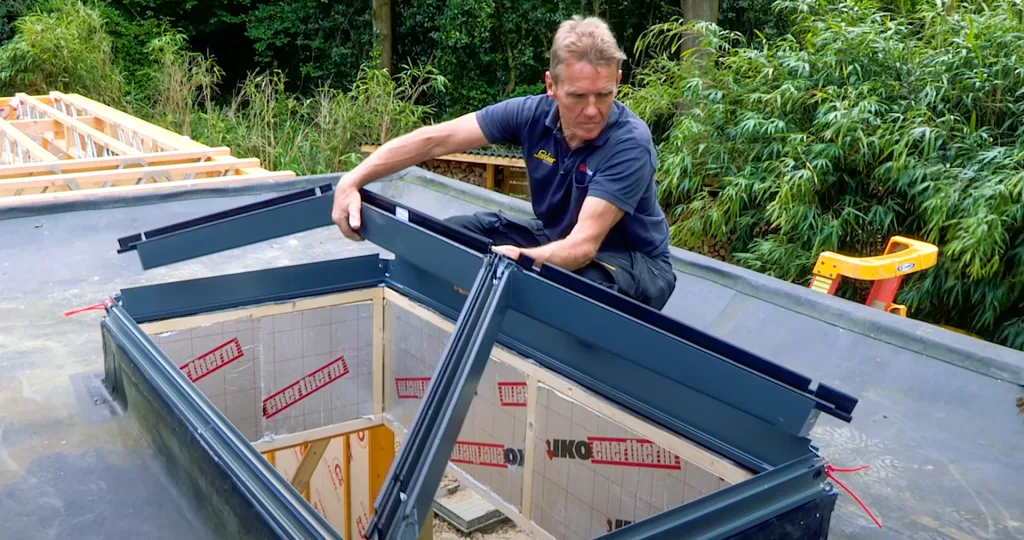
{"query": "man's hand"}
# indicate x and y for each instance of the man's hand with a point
(346, 212)
(578, 249)
(458, 135)
(581, 246)
(512, 252)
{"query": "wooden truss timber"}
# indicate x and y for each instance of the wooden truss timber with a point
(65, 146)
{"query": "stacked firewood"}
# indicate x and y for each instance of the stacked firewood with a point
(713, 249)
(467, 172)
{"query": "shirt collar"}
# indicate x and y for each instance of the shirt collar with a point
(613, 117)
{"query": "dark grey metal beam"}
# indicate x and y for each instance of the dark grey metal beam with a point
(652, 386)
(429, 252)
(646, 347)
(202, 295)
(408, 492)
(281, 507)
(236, 227)
(731, 511)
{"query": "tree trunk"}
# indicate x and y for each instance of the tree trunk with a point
(700, 10)
(382, 31)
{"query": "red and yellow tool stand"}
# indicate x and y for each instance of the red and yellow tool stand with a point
(902, 256)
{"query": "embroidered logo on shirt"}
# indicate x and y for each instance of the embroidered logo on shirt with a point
(544, 156)
(583, 169)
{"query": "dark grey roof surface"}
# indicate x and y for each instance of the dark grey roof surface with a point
(941, 434)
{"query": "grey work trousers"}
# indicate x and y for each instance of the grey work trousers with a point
(631, 273)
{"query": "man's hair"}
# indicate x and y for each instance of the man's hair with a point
(585, 39)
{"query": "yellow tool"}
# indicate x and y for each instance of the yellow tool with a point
(902, 256)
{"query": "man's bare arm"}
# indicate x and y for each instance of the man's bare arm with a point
(578, 249)
(457, 135)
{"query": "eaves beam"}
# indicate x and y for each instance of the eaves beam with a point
(269, 500)
(161, 301)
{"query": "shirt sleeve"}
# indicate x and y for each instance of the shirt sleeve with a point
(502, 122)
(623, 178)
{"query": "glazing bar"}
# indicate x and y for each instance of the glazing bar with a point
(653, 350)
(831, 401)
(740, 509)
(407, 495)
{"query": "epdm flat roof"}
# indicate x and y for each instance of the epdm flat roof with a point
(936, 420)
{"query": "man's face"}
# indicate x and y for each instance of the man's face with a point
(584, 94)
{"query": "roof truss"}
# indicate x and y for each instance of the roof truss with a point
(62, 147)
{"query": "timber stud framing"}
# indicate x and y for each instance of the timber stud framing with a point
(741, 416)
(59, 146)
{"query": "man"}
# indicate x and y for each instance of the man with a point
(590, 163)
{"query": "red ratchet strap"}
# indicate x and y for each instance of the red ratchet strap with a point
(100, 306)
(829, 469)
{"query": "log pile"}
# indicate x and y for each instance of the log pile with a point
(471, 173)
(713, 249)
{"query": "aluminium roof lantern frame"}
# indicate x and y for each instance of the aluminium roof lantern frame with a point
(728, 400)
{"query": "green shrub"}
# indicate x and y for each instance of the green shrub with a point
(868, 119)
(322, 133)
(64, 46)
(60, 45)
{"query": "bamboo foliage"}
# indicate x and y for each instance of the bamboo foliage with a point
(869, 119)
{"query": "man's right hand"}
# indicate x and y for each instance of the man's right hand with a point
(346, 211)
(458, 135)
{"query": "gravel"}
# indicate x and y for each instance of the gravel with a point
(505, 531)
(445, 531)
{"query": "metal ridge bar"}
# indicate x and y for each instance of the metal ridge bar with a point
(426, 276)
(258, 482)
(233, 228)
(736, 508)
(407, 495)
(462, 237)
(427, 251)
(160, 301)
(669, 356)
(830, 400)
(672, 326)
(128, 243)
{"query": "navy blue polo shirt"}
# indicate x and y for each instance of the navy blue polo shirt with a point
(618, 166)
